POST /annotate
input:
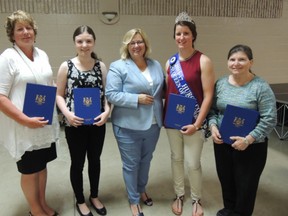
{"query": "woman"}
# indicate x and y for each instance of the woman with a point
(84, 70)
(195, 71)
(135, 87)
(30, 140)
(239, 166)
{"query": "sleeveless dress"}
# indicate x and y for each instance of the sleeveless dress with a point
(82, 79)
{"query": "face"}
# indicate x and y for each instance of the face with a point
(238, 63)
(84, 44)
(23, 35)
(136, 47)
(183, 36)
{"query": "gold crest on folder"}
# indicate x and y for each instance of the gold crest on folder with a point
(40, 99)
(180, 108)
(238, 122)
(87, 101)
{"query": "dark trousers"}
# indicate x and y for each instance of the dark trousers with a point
(239, 173)
(82, 141)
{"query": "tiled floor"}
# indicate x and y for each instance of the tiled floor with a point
(272, 197)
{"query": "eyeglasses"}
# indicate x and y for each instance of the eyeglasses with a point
(133, 43)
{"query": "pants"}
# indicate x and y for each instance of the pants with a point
(82, 141)
(239, 173)
(186, 149)
(136, 149)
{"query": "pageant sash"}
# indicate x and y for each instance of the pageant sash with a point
(183, 88)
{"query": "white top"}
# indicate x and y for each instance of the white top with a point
(146, 74)
(16, 70)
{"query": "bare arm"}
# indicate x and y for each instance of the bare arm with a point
(103, 117)
(9, 109)
(60, 100)
(208, 80)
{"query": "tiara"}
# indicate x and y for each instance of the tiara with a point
(183, 16)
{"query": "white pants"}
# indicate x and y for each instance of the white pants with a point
(186, 149)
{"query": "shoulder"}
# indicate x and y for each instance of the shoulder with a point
(40, 52)
(204, 59)
(8, 53)
(102, 67)
(260, 80)
(63, 67)
(102, 64)
(119, 62)
(260, 84)
(153, 62)
(222, 81)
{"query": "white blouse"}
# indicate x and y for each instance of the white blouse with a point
(16, 71)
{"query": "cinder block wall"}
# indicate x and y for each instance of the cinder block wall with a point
(216, 35)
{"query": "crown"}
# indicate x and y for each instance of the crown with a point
(183, 16)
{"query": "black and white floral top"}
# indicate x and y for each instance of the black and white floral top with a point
(82, 79)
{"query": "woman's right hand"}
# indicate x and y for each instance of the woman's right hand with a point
(145, 99)
(36, 122)
(74, 120)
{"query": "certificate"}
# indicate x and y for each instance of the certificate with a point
(180, 111)
(39, 101)
(237, 121)
(87, 104)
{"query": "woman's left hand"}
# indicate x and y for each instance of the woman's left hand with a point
(101, 119)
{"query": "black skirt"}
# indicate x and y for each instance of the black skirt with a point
(36, 160)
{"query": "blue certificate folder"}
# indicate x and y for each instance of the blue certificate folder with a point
(39, 101)
(180, 111)
(87, 103)
(237, 121)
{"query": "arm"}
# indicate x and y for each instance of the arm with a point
(60, 96)
(103, 117)
(6, 105)
(8, 108)
(119, 87)
(207, 79)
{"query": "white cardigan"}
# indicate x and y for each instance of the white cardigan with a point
(16, 70)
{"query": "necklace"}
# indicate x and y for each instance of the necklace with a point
(190, 56)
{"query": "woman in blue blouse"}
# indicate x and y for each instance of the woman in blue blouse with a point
(135, 88)
(239, 166)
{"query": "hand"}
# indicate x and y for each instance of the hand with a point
(73, 120)
(145, 99)
(239, 143)
(188, 129)
(216, 136)
(36, 122)
(101, 119)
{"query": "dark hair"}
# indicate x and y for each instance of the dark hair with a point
(241, 48)
(190, 25)
(81, 30)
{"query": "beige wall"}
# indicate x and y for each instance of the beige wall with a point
(267, 37)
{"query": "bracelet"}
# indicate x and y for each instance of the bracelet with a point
(195, 127)
(246, 141)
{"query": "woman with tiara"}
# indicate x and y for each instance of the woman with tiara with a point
(194, 72)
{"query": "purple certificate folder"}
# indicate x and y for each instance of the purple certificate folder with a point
(87, 104)
(180, 111)
(39, 101)
(237, 121)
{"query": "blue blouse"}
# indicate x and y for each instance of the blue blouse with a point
(256, 95)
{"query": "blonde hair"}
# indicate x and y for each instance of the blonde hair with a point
(18, 16)
(124, 52)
